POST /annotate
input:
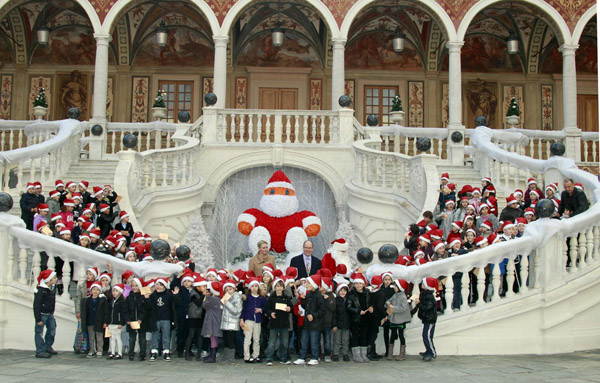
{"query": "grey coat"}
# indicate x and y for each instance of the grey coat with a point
(81, 293)
(212, 316)
(231, 313)
(400, 308)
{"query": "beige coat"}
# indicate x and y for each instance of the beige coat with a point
(257, 262)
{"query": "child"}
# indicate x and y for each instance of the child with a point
(211, 327)
(427, 308)
(184, 281)
(279, 323)
(43, 310)
(359, 310)
(94, 313)
(230, 320)
(341, 325)
(138, 307)
(326, 290)
(251, 320)
(387, 290)
(163, 307)
(53, 204)
(314, 311)
(116, 320)
(125, 227)
(398, 314)
(195, 316)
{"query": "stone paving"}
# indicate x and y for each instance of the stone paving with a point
(66, 367)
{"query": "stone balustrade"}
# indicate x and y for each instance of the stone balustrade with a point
(150, 135)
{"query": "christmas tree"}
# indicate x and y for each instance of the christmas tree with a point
(40, 100)
(346, 232)
(159, 101)
(198, 241)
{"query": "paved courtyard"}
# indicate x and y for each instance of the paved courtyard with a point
(21, 366)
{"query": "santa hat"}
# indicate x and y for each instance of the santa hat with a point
(487, 225)
(268, 268)
(451, 186)
(37, 185)
(401, 284)
(58, 184)
(107, 187)
(42, 207)
(467, 216)
(476, 191)
(105, 276)
(425, 237)
(341, 269)
(95, 233)
(59, 223)
(437, 245)
(139, 282)
(125, 276)
(579, 186)
(430, 283)
(69, 202)
(507, 225)
(228, 283)
(84, 184)
(163, 282)
(54, 193)
(387, 274)
(199, 281)
(420, 261)
(97, 190)
(216, 288)
(529, 211)
(95, 284)
(87, 226)
(70, 183)
(110, 241)
(119, 287)
(46, 276)
(376, 282)
(480, 241)
(487, 179)
(147, 237)
(291, 272)
(492, 238)
(531, 181)
(431, 226)
(65, 231)
(212, 271)
(453, 241)
(325, 273)
(466, 189)
(490, 189)
(87, 209)
(518, 192)
(358, 278)
(94, 271)
(222, 275)
(511, 200)
(418, 253)
(239, 275)
(40, 225)
(138, 236)
(482, 206)
(314, 280)
(422, 223)
(449, 202)
(253, 281)
(129, 252)
(536, 192)
(123, 214)
(340, 286)
(458, 225)
(326, 283)
(279, 180)
(471, 231)
(521, 221)
(29, 186)
(147, 257)
(77, 196)
(402, 260)
(445, 176)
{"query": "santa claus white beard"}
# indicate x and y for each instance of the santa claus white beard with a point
(279, 205)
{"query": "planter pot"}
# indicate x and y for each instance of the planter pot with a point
(159, 113)
(512, 120)
(40, 111)
(397, 116)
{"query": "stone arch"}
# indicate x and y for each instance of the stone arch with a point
(122, 5)
(431, 5)
(563, 35)
(585, 18)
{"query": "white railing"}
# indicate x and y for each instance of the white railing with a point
(403, 140)
(590, 151)
(359, 130)
(150, 135)
(12, 134)
(196, 128)
(535, 262)
(277, 126)
(46, 160)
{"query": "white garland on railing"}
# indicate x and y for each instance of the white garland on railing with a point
(141, 126)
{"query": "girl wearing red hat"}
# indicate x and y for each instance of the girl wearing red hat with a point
(360, 310)
(116, 319)
(251, 320)
(230, 320)
(398, 315)
(43, 310)
(213, 312)
(92, 312)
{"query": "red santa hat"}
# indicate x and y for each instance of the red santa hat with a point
(479, 241)
(425, 237)
(314, 280)
(487, 179)
(69, 202)
(401, 284)
(445, 176)
(358, 278)
(138, 236)
(77, 196)
(492, 238)
(325, 273)
(387, 274)
(531, 181)
(466, 189)
(340, 286)
(87, 226)
(536, 192)
(123, 214)
(507, 225)
(96, 191)
(84, 184)
(119, 287)
(454, 240)
(418, 253)
(216, 288)
(449, 202)
(94, 271)
(476, 191)
(129, 252)
(327, 284)
(95, 284)
(422, 223)
(58, 184)
(490, 189)
(163, 281)
(518, 192)
(199, 281)
(438, 245)
(42, 207)
(376, 282)
(253, 281)
(487, 225)
(70, 183)
(147, 257)
(268, 269)
(37, 184)
(467, 216)
(229, 283)
(110, 241)
(402, 260)
(40, 225)
(431, 226)
(511, 200)
(147, 237)
(279, 180)
(46, 276)
(139, 282)
(430, 283)
(104, 207)
(341, 269)
(126, 275)
(212, 271)
(291, 272)
(529, 211)
(579, 186)
(59, 223)
(339, 240)
(87, 209)
(107, 187)
(471, 231)
(95, 233)
(420, 261)
(239, 275)
(65, 231)
(222, 275)
(521, 221)
(458, 225)
(54, 193)
(483, 205)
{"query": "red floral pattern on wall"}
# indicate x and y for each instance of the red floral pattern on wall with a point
(571, 10)
(220, 8)
(102, 7)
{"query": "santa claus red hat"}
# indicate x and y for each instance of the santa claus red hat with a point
(468, 216)
(228, 283)
(199, 281)
(487, 179)
(279, 180)
(239, 275)
(430, 283)
(64, 231)
(531, 181)
(77, 196)
(387, 274)
(483, 205)
(422, 223)
(95, 284)
(119, 287)
(535, 192)
(453, 241)
(314, 280)
(87, 209)
(212, 271)
(46, 276)
(507, 225)
(511, 200)
(425, 237)
(436, 234)
(479, 241)
(126, 275)
(291, 272)
(95, 233)
(358, 278)
(54, 193)
(490, 189)
(325, 273)
(451, 186)
(341, 269)
(470, 230)
(492, 238)
(58, 183)
(458, 225)
(327, 284)
(420, 261)
(376, 282)
(268, 268)
(401, 284)
(42, 207)
(216, 288)
(37, 184)
(340, 286)
(69, 202)
(163, 282)
(431, 226)
(188, 275)
(579, 186)
(445, 176)
(402, 260)
(105, 276)
(529, 211)
(418, 253)
(438, 245)
(487, 225)
(104, 207)
(70, 183)
(518, 192)
(84, 184)
(94, 271)
(449, 202)
(110, 241)
(339, 240)
(87, 226)
(84, 236)
(476, 191)
(253, 281)
(123, 214)
(96, 191)
(139, 282)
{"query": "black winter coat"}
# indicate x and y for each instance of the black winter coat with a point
(138, 307)
(282, 319)
(152, 318)
(44, 301)
(101, 314)
(377, 302)
(354, 308)
(118, 312)
(341, 317)
(313, 304)
(427, 306)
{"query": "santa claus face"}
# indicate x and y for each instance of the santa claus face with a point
(279, 201)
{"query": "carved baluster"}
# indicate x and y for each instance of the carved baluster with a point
(164, 171)
(590, 245)
(573, 253)
(496, 282)
(175, 160)
(582, 250)
(594, 151)
(242, 128)
(596, 242)
(405, 146)
(584, 155)
(20, 176)
(313, 130)
(113, 142)
(464, 291)
(510, 277)
(548, 144)
(449, 289)
(268, 128)
(251, 128)
(51, 262)
(66, 277)
(259, 124)
(23, 266)
(184, 178)
(322, 125)
(10, 263)
(36, 266)
(2, 139)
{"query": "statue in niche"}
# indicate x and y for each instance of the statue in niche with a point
(482, 99)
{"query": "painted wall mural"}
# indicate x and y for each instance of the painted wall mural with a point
(481, 101)
(139, 99)
(184, 48)
(207, 86)
(484, 53)
(241, 92)
(73, 92)
(547, 107)
(36, 82)
(349, 91)
(415, 104)
(296, 51)
(68, 46)
(445, 104)
(374, 50)
(316, 94)
(6, 85)
(510, 91)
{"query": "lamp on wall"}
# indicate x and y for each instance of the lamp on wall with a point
(512, 43)
(43, 32)
(398, 41)
(162, 32)
(277, 33)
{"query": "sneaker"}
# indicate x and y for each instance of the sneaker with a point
(335, 358)
(167, 356)
(299, 362)
(251, 360)
(286, 362)
(51, 351)
(427, 358)
(204, 354)
(269, 363)
(313, 362)
(152, 357)
(327, 359)
(110, 356)
(91, 355)
(99, 354)
(118, 356)
(44, 355)
(346, 358)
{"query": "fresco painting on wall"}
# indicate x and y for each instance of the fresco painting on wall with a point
(5, 96)
(547, 107)
(68, 46)
(415, 103)
(296, 51)
(207, 86)
(445, 104)
(184, 48)
(316, 94)
(509, 92)
(38, 82)
(374, 50)
(349, 91)
(482, 100)
(6, 56)
(139, 101)
(241, 92)
(483, 53)
(587, 56)
(72, 91)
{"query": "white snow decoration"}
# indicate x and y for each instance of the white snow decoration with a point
(392, 130)
(346, 232)
(143, 126)
(198, 241)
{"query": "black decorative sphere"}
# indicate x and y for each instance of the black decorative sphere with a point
(130, 141)
(183, 253)
(557, 149)
(6, 202)
(160, 250)
(544, 208)
(97, 130)
(364, 255)
(372, 120)
(480, 121)
(456, 137)
(210, 99)
(183, 116)
(388, 253)
(345, 101)
(73, 113)
(423, 144)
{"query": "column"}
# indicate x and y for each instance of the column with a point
(220, 70)
(101, 78)
(573, 139)
(457, 149)
(337, 72)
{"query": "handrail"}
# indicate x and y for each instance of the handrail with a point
(359, 130)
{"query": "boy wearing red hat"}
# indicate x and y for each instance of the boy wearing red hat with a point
(314, 312)
(138, 309)
(28, 203)
(163, 318)
(43, 310)
(427, 308)
(124, 226)
(93, 312)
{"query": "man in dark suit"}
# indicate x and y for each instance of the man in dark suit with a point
(306, 263)
(573, 199)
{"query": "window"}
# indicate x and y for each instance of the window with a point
(378, 101)
(178, 97)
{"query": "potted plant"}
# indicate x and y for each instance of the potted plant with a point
(513, 113)
(397, 113)
(40, 104)
(159, 110)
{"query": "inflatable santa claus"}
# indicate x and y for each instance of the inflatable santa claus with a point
(278, 221)
(337, 259)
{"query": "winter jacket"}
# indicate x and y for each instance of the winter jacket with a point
(250, 304)
(53, 207)
(314, 304)
(354, 307)
(105, 223)
(412, 243)
(118, 312)
(231, 313)
(329, 310)
(577, 202)
(400, 308)
(101, 314)
(510, 214)
(155, 298)
(282, 318)
(427, 306)
(195, 306)
(28, 201)
(44, 301)
(341, 318)
(212, 316)
(81, 293)
(377, 301)
(138, 308)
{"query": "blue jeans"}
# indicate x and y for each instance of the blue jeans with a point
(284, 334)
(312, 337)
(327, 341)
(44, 343)
(162, 335)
